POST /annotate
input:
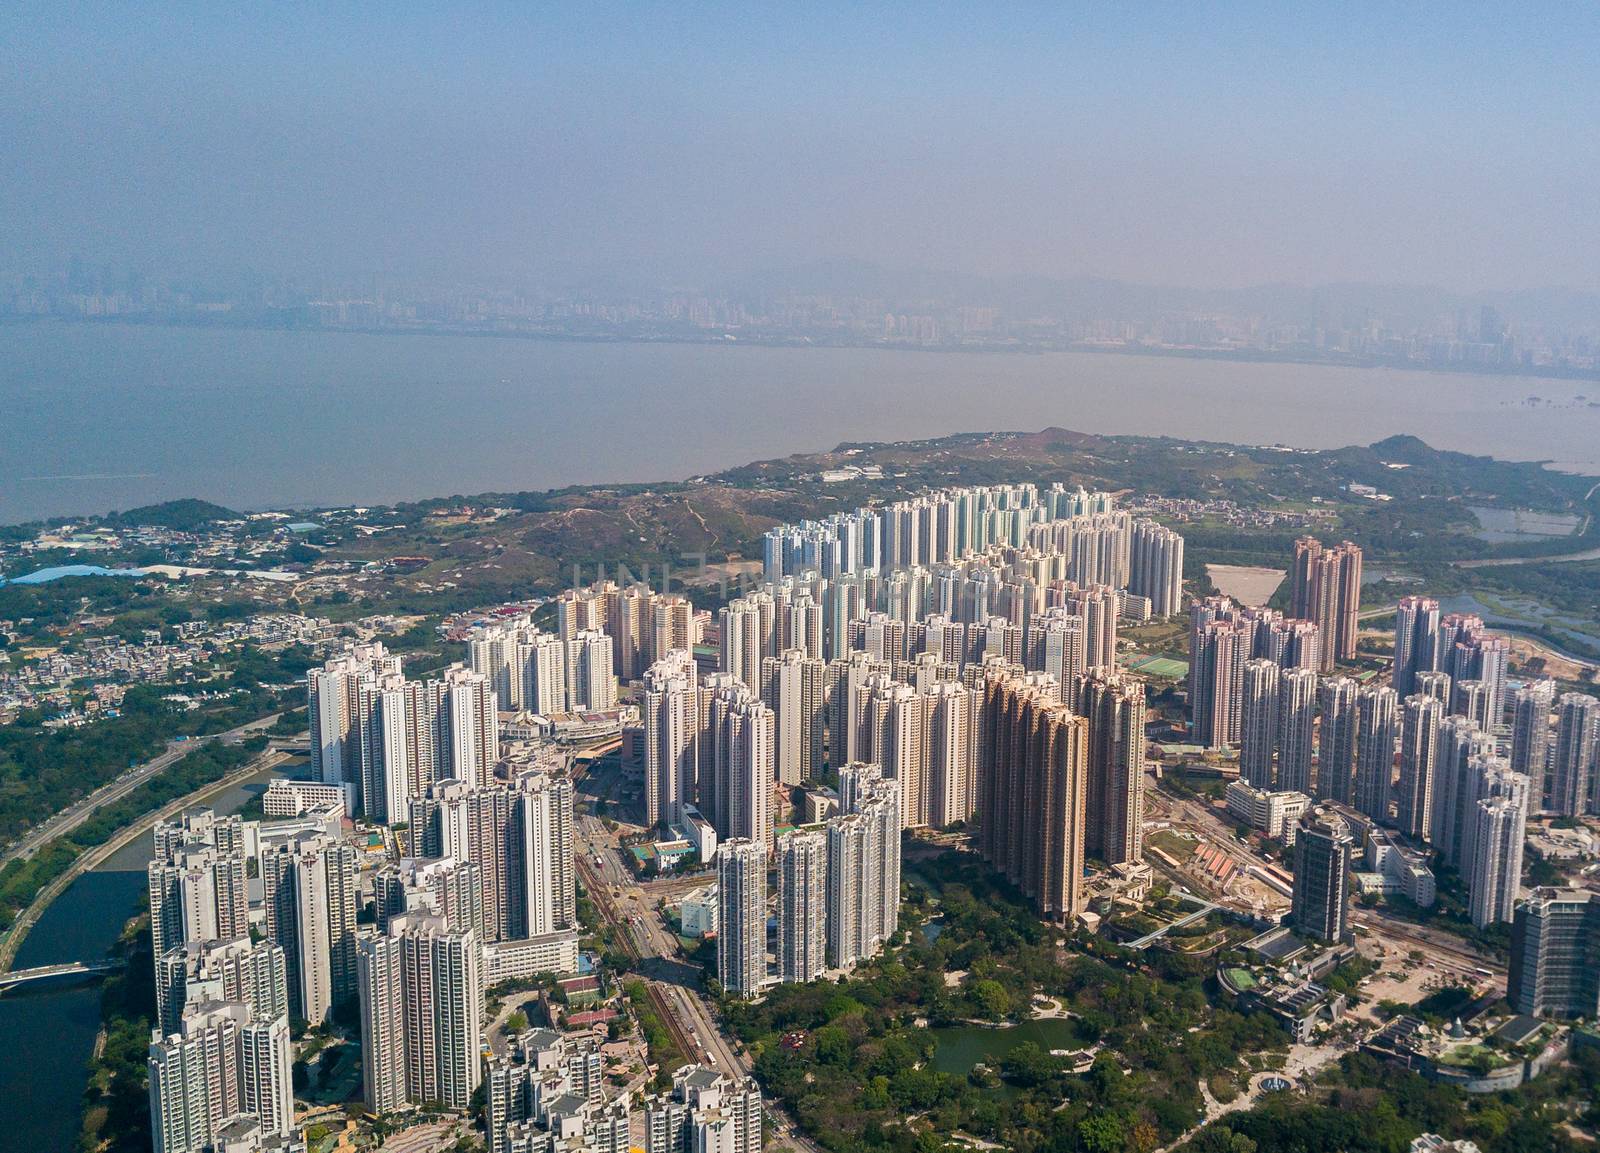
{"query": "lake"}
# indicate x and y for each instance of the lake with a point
(963, 1046)
(50, 1028)
(107, 416)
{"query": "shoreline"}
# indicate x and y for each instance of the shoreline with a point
(722, 338)
(312, 507)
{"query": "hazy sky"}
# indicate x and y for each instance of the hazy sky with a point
(1196, 144)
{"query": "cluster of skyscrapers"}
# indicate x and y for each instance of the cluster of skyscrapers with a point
(1088, 540)
(487, 890)
(871, 645)
(882, 661)
(220, 1060)
(1447, 752)
(385, 738)
(838, 890)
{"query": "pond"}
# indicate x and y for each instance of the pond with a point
(1522, 612)
(1508, 524)
(963, 1046)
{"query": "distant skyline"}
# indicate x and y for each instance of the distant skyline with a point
(1255, 144)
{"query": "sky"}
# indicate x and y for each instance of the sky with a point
(1193, 144)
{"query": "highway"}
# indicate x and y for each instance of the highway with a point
(672, 983)
(81, 810)
(92, 858)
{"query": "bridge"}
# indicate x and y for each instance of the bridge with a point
(1206, 908)
(18, 977)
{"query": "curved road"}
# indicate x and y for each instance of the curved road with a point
(82, 809)
(92, 858)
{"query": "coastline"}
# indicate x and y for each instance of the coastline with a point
(723, 338)
(672, 410)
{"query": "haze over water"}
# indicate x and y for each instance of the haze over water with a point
(100, 417)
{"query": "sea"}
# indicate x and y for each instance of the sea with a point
(97, 417)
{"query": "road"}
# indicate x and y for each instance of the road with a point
(1444, 947)
(1503, 561)
(673, 984)
(92, 858)
(81, 810)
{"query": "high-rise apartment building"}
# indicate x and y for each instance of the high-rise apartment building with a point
(628, 623)
(1297, 710)
(1220, 645)
(543, 659)
(742, 916)
(740, 729)
(1377, 731)
(1325, 587)
(802, 904)
(797, 694)
(519, 838)
(310, 887)
(747, 629)
(581, 610)
(467, 733)
(1259, 721)
(591, 681)
(1114, 707)
(421, 987)
(220, 1063)
(1531, 744)
(950, 753)
(1035, 771)
(1435, 684)
(672, 626)
(548, 1094)
(706, 1113)
(671, 717)
(1156, 567)
(848, 679)
(1337, 740)
(1058, 644)
(399, 740)
(1476, 656)
(1419, 752)
(1416, 642)
(441, 885)
(251, 972)
(332, 695)
(1496, 873)
(492, 653)
(197, 894)
(1572, 771)
(541, 882)
(1462, 746)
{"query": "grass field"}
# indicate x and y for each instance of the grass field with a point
(1164, 667)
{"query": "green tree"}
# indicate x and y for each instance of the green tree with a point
(991, 1000)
